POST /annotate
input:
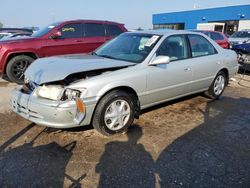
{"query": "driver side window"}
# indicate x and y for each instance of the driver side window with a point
(71, 30)
(175, 47)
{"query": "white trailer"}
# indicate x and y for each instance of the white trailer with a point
(244, 25)
(211, 26)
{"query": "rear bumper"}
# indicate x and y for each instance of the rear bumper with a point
(48, 113)
(233, 71)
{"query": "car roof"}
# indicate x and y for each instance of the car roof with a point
(165, 32)
(207, 31)
(95, 21)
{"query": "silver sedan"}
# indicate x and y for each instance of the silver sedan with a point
(109, 87)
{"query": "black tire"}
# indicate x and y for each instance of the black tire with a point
(16, 67)
(103, 107)
(216, 93)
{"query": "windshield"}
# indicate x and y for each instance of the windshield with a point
(241, 34)
(45, 30)
(133, 47)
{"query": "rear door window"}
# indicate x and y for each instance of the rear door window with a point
(200, 46)
(113, 30)
(71, 30)
(94, 30)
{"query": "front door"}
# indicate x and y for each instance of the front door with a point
(173, 79)
(71, 41)
(206, 62)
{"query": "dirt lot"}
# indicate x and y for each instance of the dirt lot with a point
(192, 142)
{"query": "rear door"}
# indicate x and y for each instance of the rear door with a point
(70, 42)
(206, 62)
(94, 36)
(112, 31)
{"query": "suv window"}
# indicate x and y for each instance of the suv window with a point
(113, 30)
(200, 46)
(71, 30)
(216, 36)
(94, 30)
(175, 47)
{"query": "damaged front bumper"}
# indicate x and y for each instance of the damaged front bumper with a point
(57, 114)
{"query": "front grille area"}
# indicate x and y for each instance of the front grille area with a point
(25, 111)
(28, 87)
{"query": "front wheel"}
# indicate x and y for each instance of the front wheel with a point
(218, 85)
(114, 113)
(16, 67)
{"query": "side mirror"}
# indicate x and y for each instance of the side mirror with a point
(56, 35)
(160, 60)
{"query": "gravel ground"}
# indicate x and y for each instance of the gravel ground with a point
(191, 142)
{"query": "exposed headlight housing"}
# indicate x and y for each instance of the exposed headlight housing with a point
(70, 94)
(49, 92)
(55, 92)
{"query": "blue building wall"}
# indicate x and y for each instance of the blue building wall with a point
(191, 18)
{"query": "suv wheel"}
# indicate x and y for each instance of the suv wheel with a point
(114, 113)
(16, 67)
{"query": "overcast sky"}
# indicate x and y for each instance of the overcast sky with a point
(133, 13)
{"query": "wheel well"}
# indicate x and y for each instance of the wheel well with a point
(131, 92)
(30, 54)
(226, 73)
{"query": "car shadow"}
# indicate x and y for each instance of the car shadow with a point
(164, 104)
(126, 163)
(214, 154)
(36, 166)
(5, 77)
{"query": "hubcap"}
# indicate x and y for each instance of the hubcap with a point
(19, 68)
(219, 85)
(117, 114)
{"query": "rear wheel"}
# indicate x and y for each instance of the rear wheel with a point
(16, 67)
(114, 113)
(218, 85)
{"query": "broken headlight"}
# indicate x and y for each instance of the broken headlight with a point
(49, 92)
(70, 94)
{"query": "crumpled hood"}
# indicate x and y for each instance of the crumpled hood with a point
(57, 68)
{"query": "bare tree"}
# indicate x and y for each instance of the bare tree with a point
(1, 25)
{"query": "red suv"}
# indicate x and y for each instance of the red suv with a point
(78, 36)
